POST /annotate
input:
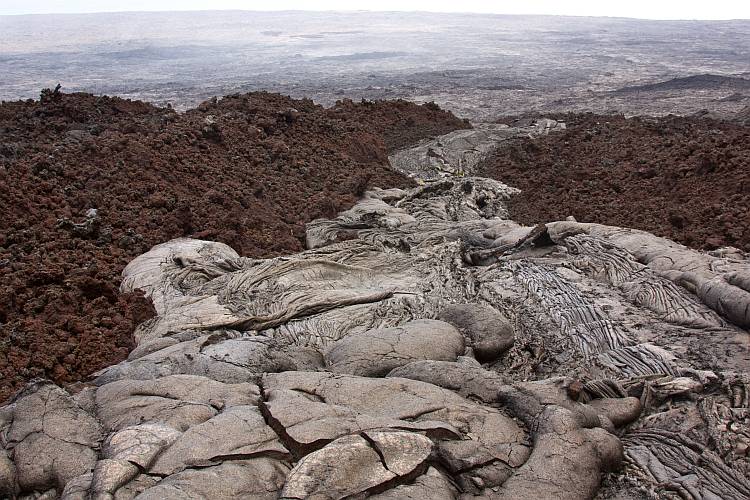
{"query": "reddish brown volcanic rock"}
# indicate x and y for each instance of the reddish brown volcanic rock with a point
(684, 178)
(397, 122)
(248, 170)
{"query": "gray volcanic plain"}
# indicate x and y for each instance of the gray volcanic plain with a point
(479, 66)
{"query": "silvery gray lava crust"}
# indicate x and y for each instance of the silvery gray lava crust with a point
(424, 346)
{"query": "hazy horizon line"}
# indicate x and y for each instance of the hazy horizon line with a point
(365, 11)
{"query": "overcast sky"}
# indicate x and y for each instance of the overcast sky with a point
(645, 9)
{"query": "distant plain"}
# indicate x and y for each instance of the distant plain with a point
(479, 66)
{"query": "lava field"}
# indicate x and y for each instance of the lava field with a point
(685, 178)
(87, 183)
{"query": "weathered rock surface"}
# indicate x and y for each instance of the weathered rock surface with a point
(356, 463)
(490, 333)
(53, 439)
(260, 478)
(312, 409)
(353, 369)
(376, 352)
(431, 484)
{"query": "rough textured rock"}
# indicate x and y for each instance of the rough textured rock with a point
(673, 459)
(716, 281)
(613, 365)
(311, 409)
(374, 353)
(238, 432)
(179, 401)
(469, 380)
(260, 478)
(357, 463)
(51, 438)
(432, 484)
(638, 172)
(218, 356)
(567, 461)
